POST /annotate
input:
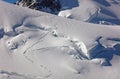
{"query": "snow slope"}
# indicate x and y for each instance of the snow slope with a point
(38, 45)
(95, 11)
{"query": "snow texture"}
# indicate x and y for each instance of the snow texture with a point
(38, 45)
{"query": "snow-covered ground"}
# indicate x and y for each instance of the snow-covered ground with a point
(94, 11)
(38, 45)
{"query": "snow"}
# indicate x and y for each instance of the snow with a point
(93, 11)
(38, 45)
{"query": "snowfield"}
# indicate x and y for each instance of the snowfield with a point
(94, 11)
(38, 45)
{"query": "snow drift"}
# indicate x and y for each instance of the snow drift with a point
(38, 45)
(94, 11)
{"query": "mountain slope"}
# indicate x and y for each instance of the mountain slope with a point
(38, 45)
(94, 11)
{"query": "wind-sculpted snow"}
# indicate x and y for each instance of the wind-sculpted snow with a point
(37, 45)
(94, 11)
